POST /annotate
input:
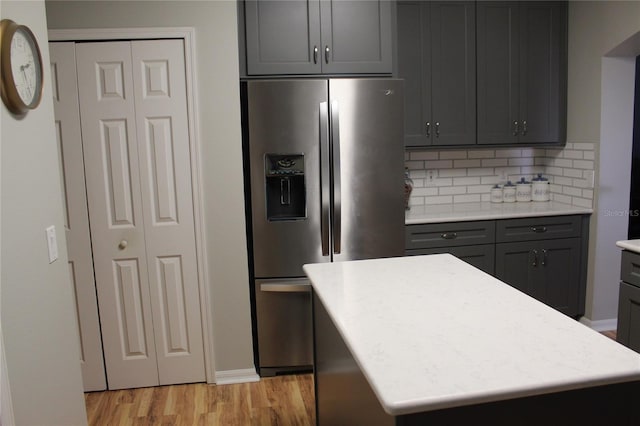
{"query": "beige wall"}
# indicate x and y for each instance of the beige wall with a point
(37, 313)
(595, 28)
(215, 23)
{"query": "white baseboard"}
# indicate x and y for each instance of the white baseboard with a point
(229, 377)
(600, 325)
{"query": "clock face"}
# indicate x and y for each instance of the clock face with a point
(20, 68)
(25, 67)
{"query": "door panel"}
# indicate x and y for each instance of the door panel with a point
(281, 36)
(281, 247)
(167, 205)
(115, 211)
(453, 67)
(67, 116)
(497, 73)
(370, 223)
(358, 36)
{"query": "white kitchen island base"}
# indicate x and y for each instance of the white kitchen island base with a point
(432, 340)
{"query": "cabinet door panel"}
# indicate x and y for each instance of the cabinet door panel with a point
(542, 76)
(629, 316)
(414, 51)
(281, 36)
(557, 277)
(357, 34)
(498, 37)
(513, 265)
(453, 71)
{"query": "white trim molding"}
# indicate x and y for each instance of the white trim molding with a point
(229, 377)
(600, 325)
(187, 34)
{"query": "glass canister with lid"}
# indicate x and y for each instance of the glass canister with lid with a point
(509, 192)
(523, 190)
(540, 188)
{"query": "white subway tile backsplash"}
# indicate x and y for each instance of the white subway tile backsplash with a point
(469, 198)
(525, 161)
(495, 162)
(572, 173)
(453, 155)
(460, 176)
(443, 199)
(423, 155)
(453, 190)
(438, 164)
(464, 181)
(481, 154)
(583, 164)
(508, 153)
(452, 172)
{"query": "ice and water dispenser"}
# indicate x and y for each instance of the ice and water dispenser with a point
(286, 197)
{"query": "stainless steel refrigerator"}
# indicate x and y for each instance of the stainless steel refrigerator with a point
(326, 162)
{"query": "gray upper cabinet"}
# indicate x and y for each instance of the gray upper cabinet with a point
(522, 72)
(436, 58)
(298, 37)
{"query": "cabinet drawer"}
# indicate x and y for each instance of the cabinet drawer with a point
(481, 256)
(630, 268)
(538, 228)
(449, 234)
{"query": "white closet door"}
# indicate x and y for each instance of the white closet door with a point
(67, 116)
(165, 173)
(115, 210)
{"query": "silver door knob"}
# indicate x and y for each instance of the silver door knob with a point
(123, 244)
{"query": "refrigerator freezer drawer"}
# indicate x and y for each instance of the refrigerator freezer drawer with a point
(283, 311)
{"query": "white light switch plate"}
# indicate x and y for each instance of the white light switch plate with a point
(52, 243)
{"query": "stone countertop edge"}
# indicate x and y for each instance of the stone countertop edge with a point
(462, 212)
(631, 245)
(431, 354)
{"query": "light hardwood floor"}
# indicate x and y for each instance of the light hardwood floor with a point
(275, 401)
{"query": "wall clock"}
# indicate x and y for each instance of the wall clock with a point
(20, 67)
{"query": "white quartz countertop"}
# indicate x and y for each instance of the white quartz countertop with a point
(433, 332)
(631, 245)
(486, 211)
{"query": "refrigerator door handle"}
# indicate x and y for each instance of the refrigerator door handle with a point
(335, 166)
(286, 288)
(325, 177)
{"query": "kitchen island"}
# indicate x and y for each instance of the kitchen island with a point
(433, 340)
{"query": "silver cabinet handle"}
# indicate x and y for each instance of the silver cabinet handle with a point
(524, 127)
(123, 244)
(325, 182)
(535, 258)
(428, 129)
(515, 128)
(326, 54)
(539, 229)
(449, 235)
(437, 129)
(294, 287)
(544, 257)
(315, 54)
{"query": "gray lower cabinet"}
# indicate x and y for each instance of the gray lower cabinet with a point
(628, 332)
(297, 37)
(522, 72)
(437, 60)
(544, 257)
(547, 270)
